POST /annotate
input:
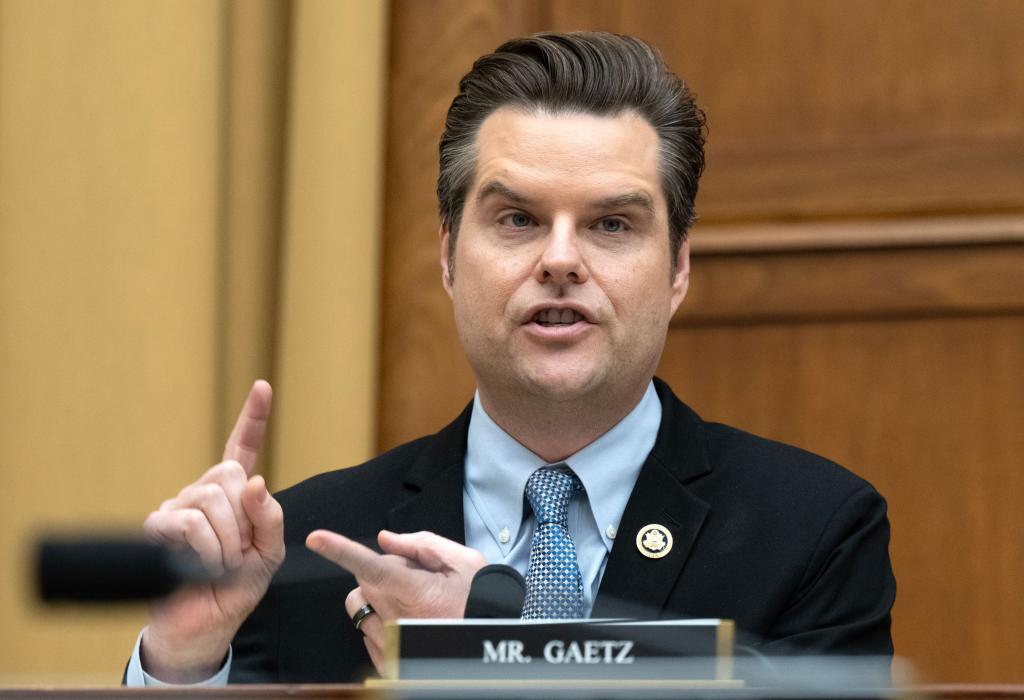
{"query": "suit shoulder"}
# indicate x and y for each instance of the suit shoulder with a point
(385, 469)
(352, 499)
(720, 457)
(751, 461)
(767, 496)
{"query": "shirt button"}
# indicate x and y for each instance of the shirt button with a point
(611, 532)
(504, 536)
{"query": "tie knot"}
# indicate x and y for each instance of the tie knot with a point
(549, 490)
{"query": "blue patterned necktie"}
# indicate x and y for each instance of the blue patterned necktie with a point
(554, 587)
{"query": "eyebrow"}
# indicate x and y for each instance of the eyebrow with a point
(493, 188)
(496, 188)
(628, 199)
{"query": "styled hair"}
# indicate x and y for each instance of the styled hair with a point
(586, 72)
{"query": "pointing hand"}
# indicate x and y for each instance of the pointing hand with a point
(419, 575)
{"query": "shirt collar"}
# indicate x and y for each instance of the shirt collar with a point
(497, 468)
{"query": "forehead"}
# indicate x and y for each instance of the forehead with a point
(568, 154)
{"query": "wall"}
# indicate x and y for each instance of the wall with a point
(189, 199)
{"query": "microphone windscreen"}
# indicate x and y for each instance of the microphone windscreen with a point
(110, 569)
(497, 591)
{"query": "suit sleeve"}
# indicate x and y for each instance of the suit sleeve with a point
(847, 591)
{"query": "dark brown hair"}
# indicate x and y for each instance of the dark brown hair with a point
(590, 72)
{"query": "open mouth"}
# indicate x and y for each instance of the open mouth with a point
(557, 317)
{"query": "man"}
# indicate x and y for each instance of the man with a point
(569, 169)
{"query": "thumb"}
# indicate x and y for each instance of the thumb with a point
(420, 547)
(267, 520)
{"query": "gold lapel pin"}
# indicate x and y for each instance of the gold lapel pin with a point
(654, 541)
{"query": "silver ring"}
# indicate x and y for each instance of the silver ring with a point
(361, 615)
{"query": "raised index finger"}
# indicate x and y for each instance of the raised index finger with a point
(244, 444)
(364, 563)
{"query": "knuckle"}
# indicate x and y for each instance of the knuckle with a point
(376, 576)
(192, 521)
(207, 494)
(232, 469)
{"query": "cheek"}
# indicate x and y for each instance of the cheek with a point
(484, 298)
(638, 301)
(487, 283)
(625, 290)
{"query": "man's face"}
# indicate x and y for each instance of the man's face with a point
(563, 285)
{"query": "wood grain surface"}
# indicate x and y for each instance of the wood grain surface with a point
(834, 284)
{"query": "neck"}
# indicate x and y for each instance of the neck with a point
(555, 430)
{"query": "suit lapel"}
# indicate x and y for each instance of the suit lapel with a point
(434, 485)
(635, 585)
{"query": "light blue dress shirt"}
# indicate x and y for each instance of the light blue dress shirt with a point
(136, 677)
(499, 522)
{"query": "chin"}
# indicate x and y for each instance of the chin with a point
(563, 384)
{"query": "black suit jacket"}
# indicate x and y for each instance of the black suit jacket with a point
(791, 546)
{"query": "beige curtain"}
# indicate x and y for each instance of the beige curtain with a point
(189, 199)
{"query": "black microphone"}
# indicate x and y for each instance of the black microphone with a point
(98, 569)
(497, 591)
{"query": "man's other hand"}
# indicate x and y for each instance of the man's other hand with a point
(236, 527)
(419, 575)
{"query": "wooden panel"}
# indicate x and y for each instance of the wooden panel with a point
(930, 412)
(864, 177)
(972, 691)
(814, 69)
(856, 235)
(865, 269)
(863, 107)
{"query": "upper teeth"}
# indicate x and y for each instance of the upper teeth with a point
(549, 317)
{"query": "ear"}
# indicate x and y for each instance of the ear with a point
(444, 236)
(681, 280)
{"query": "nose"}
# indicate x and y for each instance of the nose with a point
(561, 261)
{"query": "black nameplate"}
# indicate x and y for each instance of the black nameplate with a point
(587, 650)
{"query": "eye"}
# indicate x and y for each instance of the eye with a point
(516, 219)
(611, 225)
